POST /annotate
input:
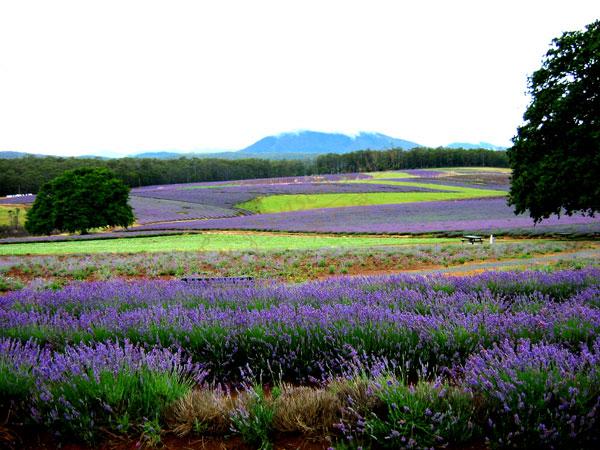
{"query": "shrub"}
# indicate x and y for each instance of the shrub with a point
(538, 395)
(420, 416)
(253, 418)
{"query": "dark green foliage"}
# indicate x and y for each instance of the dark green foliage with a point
(417, 158)
(79, 200)
(15, 387)
(28, 174)
(556, 153)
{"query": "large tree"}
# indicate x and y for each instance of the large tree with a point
(79, 200)
(556, 153)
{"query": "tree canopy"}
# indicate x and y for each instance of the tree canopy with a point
(556, 153)
(79, 200)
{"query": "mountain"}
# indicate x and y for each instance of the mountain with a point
(12, 155)
(314, 142)
(173, 155)
(159, 155)
(470, 146)
(296, 145)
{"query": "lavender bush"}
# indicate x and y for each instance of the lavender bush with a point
(418, 416)
(86, 387)
(538, 395)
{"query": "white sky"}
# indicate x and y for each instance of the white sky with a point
(98, 77)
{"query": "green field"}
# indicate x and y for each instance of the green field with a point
(209, 242)
(469, 192)
(299, 202)
(5, 216)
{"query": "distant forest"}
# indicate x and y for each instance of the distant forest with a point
(28, 174)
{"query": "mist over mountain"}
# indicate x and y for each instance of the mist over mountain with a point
(12, 155)
(471, 146)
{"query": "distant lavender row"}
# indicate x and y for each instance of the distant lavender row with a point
(253, 181)
(21, 200)
(76, 237)
(423, 173)
(148, 210)
(141, 191)
(479, 214)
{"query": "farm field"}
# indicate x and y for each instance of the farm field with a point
(348, 322)
(486, 216)
(276, 264)
(409, 201)
(450, 200)
(301, 202)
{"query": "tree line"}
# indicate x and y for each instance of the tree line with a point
(28, 174)
(418, 158)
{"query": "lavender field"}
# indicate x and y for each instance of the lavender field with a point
(510, 359)
(218, 205)
(221, 201)
(484, 215)
(149, 210)
(481, 215)
(335, 346)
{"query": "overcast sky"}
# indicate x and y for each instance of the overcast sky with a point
(96, 77)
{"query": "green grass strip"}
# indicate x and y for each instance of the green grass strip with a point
(390, 174)
(208, 186)
(299, 202)
(210, 242)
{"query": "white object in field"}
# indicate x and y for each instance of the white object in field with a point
(492, 238)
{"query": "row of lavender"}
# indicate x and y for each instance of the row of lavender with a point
(481, 309)
(105, 354)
